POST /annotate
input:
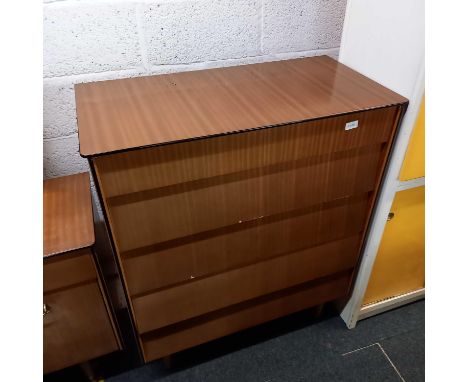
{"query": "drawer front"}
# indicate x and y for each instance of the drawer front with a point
(203, 225)
(400, 262)
(202, 255)
(147, 169)
(202, 296)
(68, 269)
(77, 327)
(146, 219)
(226, 321)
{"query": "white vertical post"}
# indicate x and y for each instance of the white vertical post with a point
(384, 40)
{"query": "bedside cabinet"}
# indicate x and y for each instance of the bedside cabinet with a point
(78, 324)
(238, 195)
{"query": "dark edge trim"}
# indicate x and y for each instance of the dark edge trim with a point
(78, 284)
(378, 195)
(103, 285)
(68, 251)
(231, 132)
(135, 344)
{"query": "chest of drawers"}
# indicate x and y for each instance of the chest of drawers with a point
(78, 324)
(238, 195)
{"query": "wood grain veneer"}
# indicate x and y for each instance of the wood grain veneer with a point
(208, 294)
(137, 112)
(77, 328)
(187, 212)
(60, 272)
(139, 170)
(242, 244)
(161, 343)
(236, 195)
(67, 214)
(78, 324)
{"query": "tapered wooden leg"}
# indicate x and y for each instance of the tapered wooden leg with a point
(88, 371)
(167, 361)
(317, 311)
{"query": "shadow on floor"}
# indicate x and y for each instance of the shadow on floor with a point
(387, 347)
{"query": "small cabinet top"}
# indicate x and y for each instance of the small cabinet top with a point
(124, 114)
(67, 214)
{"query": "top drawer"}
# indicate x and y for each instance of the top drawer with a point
(147, 169)
(172, 192)
(152, 218)
(68, 269)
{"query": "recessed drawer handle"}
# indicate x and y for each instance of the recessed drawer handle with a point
(46, 310)
(251, 219)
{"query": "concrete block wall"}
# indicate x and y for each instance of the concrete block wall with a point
(97, 40)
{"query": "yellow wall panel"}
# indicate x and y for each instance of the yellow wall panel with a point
(413, 165)
(399, 265)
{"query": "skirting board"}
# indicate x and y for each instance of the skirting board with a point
(391, 303)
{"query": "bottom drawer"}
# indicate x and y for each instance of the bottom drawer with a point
(193, 332)
(77, 327)
(204, 295)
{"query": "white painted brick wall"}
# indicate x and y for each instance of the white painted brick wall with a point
(94, 40)
(61, 157)
(201, 30)
(81, 37)
(302, 24)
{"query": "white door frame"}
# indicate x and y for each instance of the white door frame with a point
(384, 40)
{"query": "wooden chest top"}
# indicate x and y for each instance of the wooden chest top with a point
(131, 113)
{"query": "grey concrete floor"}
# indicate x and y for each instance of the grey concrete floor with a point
(387, 347)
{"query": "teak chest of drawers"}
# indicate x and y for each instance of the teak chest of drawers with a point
(78, 324)
(238, 195)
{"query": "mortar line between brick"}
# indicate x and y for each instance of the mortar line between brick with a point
(262, 22)
(90, 75)
(74, 3)
(240, 59)
(54, 1)
(141, 37)
(62, 137)
(143, 71)
(302, 52)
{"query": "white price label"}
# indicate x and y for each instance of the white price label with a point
(351, 125)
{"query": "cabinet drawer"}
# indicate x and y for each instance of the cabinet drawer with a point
(201, 296)
(399, 265)
(238, 317)
(69, 269)
(148, 218)
(77, 327)
(147, 169)
(241, 245)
